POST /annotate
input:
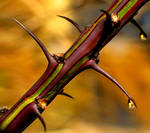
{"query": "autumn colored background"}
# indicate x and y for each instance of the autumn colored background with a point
(99, 106)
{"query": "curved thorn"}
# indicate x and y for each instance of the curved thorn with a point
(65, 94)
(142, 34)
(47, 54)
(108, 22)
(92, 64)
(107, 14)
(108, 17)
(37, 113)
(73, 22)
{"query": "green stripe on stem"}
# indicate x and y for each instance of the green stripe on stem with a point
(126, 8)
(29, 100)
(91, 29)
(52, 92)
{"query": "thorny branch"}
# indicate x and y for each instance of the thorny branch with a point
(83, 54)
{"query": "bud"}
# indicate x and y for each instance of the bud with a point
(132, 104)
(143, 36)
(115, 18)
(42, 104)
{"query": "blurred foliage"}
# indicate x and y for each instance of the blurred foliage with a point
(99, 106)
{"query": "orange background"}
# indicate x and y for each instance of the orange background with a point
(99, 106)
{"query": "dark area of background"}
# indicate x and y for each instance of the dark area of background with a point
(99, 106)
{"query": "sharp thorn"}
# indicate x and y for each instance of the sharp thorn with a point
(92, 64)
(142, 34)
(73, 22)
(38, 114)
(108, 22)
(107, 14)
(47, 54)
(65, 94)
(108, 17)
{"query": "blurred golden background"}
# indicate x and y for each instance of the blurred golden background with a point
(99, 106)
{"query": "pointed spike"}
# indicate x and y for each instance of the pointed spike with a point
(108, 17)
(73, 22)
(47, 54)
(108, 23)
(142, 34)
(107, 14)
(92, 64)
(98, 69)
(37, 113)
(65, 94)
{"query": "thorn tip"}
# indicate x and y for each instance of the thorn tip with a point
(72, 22)
(142, 35)
(38, 114)
(65, 94)
(47, 54)
(92, 64)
